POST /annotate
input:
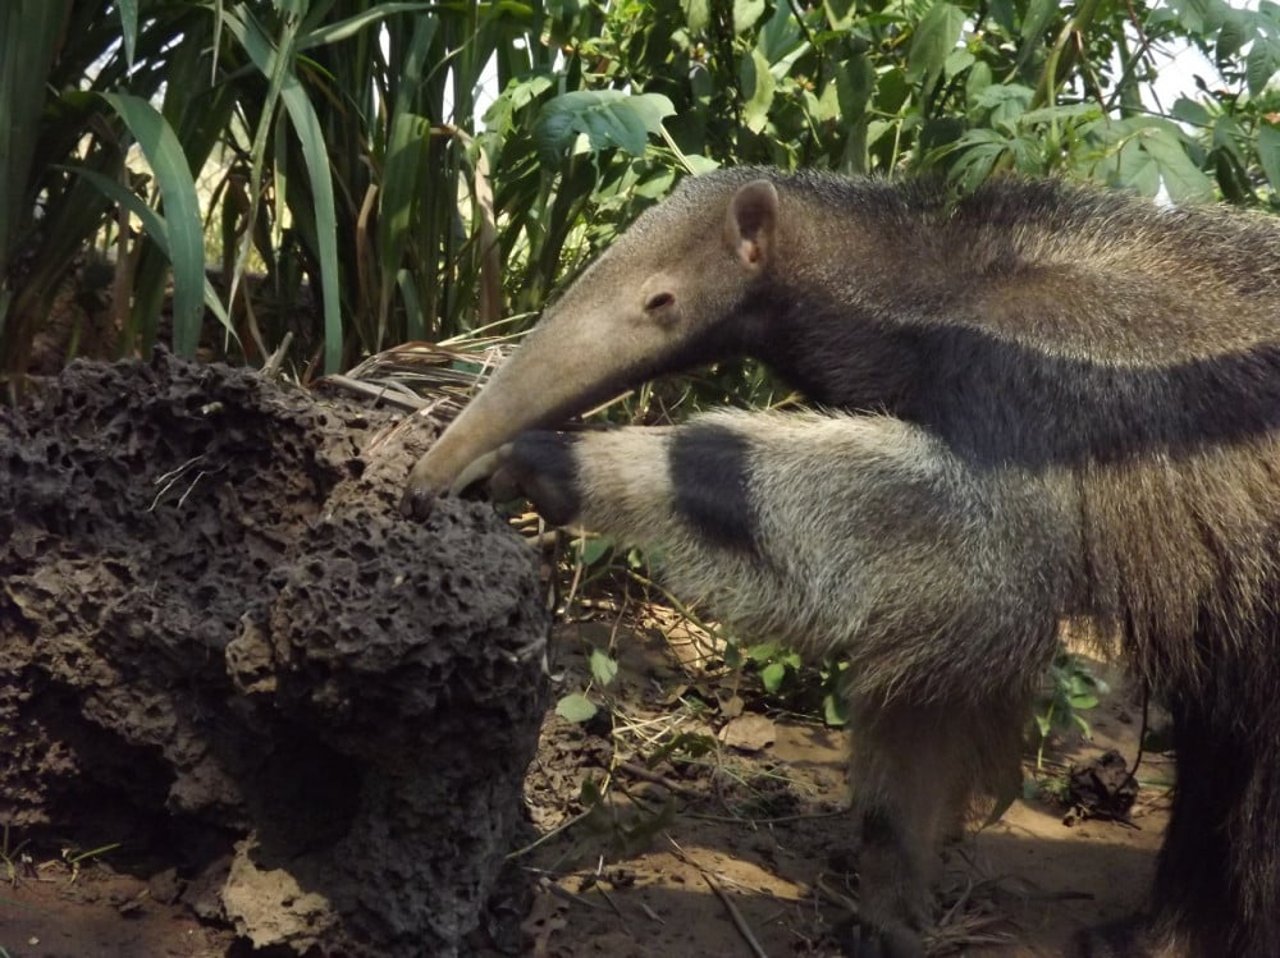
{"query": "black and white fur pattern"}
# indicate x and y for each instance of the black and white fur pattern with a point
(1054, 404)
(844, 535)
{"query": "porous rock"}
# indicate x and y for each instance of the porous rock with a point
(216, 626)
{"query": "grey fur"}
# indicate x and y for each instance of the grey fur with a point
(1058, 403)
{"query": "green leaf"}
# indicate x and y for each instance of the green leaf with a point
(349, 27)
(958, 60)
(1039, 17)
(1189, 111)
(781, 40)
(278, 68)
(855, 79)
(1040, 14)
(603, 668)
(1237, 30)
(833, 710)
(1269, 153)
(1262, 63)
(156, 228)
(577, 708)
(934, 39)
(1184, 180)
(591, 551)
(763, 651)
(746, 13)
(30, 35)
(609, 118)
(771, 676)
(755, 112)
(160, 146)
(1136, 169)
(129, 26)
(840, 13)
(697, 14)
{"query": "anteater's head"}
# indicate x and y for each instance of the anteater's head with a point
(678, 288)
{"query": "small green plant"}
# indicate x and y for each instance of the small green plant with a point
(76, 857)
(1072, 689)
(10, 855)
(784, 674)
(576, 707)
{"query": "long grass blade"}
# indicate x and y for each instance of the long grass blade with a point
(353, 25)
(29, 31)
(156, 227)
(277, 64)
(182, 213)
(129, 24)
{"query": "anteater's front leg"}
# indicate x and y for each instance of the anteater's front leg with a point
(861, 537)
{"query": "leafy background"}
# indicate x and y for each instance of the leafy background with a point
(360, 174)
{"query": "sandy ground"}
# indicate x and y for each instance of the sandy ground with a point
(692, 856)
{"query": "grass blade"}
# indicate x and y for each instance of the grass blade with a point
(354, 24)
(277, 65)
(182, 213)
(129, 24)
(29, 32)
(156, 227)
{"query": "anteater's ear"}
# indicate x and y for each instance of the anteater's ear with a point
(753, 217)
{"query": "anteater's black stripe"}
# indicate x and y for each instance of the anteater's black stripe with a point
(709, 473)
(545, 467)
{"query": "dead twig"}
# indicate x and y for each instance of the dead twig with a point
(739, 922)
(642, 773)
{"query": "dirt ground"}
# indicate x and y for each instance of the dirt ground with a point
(701, 854)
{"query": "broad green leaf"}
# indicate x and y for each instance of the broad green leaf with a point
(762, 651)
(1040, 14)
(935, 37)
(958, 61)
(855, 79)
(781, 40)
(1237, 30)
(609, 118)
(978, 80)
(697, 14)
(755, 112)
(697, 165)
(160, 146)
(591, 551)
(839, 13)
(771, 676)
(603, 668)
(1189, 111)
(577, 708)
(746, 13)
(1007, 102)
(1133, 168)
(1182, 178)
(1035, 24)
(1262, 63)
(834, 711)
(1269, 153)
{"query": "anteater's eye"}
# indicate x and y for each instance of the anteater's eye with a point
(657, 301)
